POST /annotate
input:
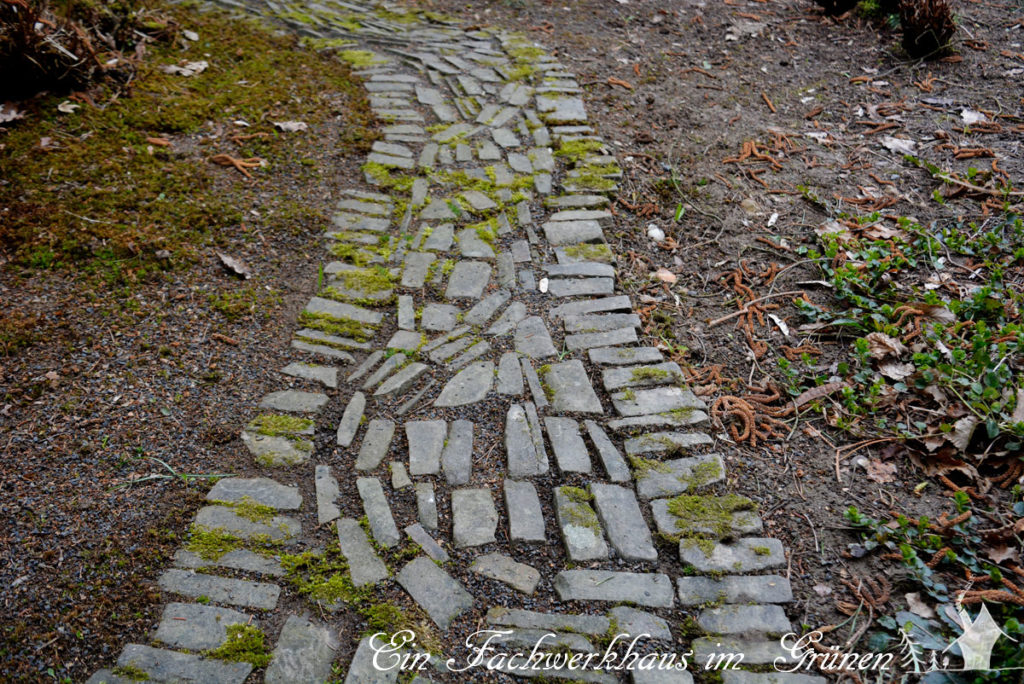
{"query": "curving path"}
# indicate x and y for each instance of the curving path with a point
(470, 383)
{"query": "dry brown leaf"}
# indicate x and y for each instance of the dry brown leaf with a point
(236, 266)
(919, 607)
(1018, 410)
(896, 371)
(937, 312)
(998, 554)
(818, 392)
(942, 462)
(881, 472)
(666, 276)
(881, 345)
(963, 430)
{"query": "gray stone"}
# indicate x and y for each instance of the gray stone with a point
(641, 589)
(278, 527)
(417, 266)
(405, 340)
(438, 209)
(171, 666)
(318, 305)
(399, 478)
(537, 391)
(611, 459)
(195, 627)
(695, 591)
(365, 567)
(525, 517)
(532, 338)
(389, 161)
(623, 521)
(680, 418)
(238, 559)
(272, 450)
(488, 151)
(576, 201)
(637, 622)
(524, 459)
(440, 238)
(667, 373)
(521, 252)
(426, 440)
(745, 619)
(447, 351)
(486, 307)
(474, 518)
(656, 400)
(588, 306)
(655, 479)
(472, 246)
(739, 523)
(469, 385)
(509, 318)
(583, 215)
(505, 137)
(510, 377)
(480, 348)
(262, 490)
(390, 365)
(376, 443)
(439, 317)
(426, 505)
(369, 362)
(427, 543)
(519, 576)
(607, 338)
(600, 323)
(478, 200)
(672, 442)
(329, 352)
(318, 339)
(304, 653)
(520, 163)
(749, 554)
(596, 625)
(754, 651)
(364, 671)
(572, 232)
(570, 388)
(326, 495)
(661, 676)
(623, 356)
(506, 270)
(354, 222)
(468, 279)
(580, 269)
(569, 447)
(457, 456)
(351, 419)
(294, 401)
(325, 375)
(402, 380)
(442, 597)
(234, 592)
(581, 287)
(378, 512)
(581, 530)
(406, 313)
(557, 108)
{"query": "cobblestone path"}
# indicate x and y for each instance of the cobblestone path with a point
(472, 405)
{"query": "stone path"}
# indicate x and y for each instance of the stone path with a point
(489, 394)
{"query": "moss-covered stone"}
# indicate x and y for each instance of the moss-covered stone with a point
(244, 644)
(277, 425)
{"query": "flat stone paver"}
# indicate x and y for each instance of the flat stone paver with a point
(171, 666)
(376, 442)
(469, 385)
(623, 521)
(525, 517)
(468, 280)
(745, 620)
(567, 444)
(427, 543)
(326, 495)
(362, 670)
(474, 518)
(581, 529)
(426, 440)
(571, 391)
(656, 478)
(524, 458)
(294, 401)
(695, 591)
(749, 554)
(442, 597)
(236, 559)
(636, 622)
(612, 460)
(365, 567)
(532, 338)
(351, 419)
(496, 566)
(195, 627)
(234, 592)
(277, 528)
(261, 490)
(457, 455)
(325, 375)
(378, 512)
(651, 590)
(303, 653)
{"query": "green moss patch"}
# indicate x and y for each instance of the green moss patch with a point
(211, 544)
(278, 425)
(590, 252)
(245, 644)
(708, 512)
(342, 327)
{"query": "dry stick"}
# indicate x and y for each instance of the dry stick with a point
(746, 307)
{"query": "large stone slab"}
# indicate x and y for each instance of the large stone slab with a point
(195, 627)
(755, 651)
(262, 490)
(579, 341)
(525, 517)
(378, 512)
(401, 381)
(657, 400)
(468, 280)
(277, 527)
(442, 597)
(237, 559)
(745, 620)
(365, 567)
(624, 356)
(427, 543)
(294, 401)
(524, 458)
(642, 589)
(532, 338)
(469, 385)
(655, 479)
(637, 622)
(376, 443)
(426, 505)
(666, 373)
(581, 529)
(426, 440)
(612, 460)
(234, 592)
(749, 554)
(457, 456)
(474, 518)
(171, 666)
(326, 375)
(496, 566)
(304, 653)
(363, 670)
(572, 232)
(570, 388)
(567, 444)
(623, 521)
(326, 495)
(510, 376)
(276, 450)
(350, 419)
(707, 516)
(673, 442)
(597, 625)
(695, 591)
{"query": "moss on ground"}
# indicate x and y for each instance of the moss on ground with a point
(714, 513)
(643, 467)
(211, 544)
(342, 327)
(278, 425)
(244, 644)
(589, 252)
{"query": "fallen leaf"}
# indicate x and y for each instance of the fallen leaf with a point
(919, 607)
(937, 312)
(881, 345)
(899, 145)
(998, 554)
(818, 392)
(963, 430)
(67, 107)
(896, 371)
(881, 472)
(666, 276)
(822, 589)
(833, 228)
(291, 126)
(781, 323)
(236, 266)
(969, 116)
(880, 231)
(8, 113)
(1018, 410)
